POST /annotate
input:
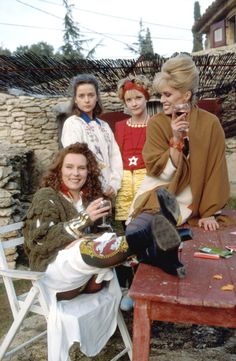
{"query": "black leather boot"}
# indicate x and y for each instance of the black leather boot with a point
(164, 233)
(169, 206)
(148, 230)
(155, 241)
(168, 261)
(138, 234)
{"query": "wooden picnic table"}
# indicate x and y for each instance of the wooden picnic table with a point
(197, 298)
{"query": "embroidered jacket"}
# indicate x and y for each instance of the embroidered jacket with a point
(44, 230)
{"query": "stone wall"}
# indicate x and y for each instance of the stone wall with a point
(15, 185)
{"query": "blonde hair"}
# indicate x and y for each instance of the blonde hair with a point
(140, 80)
(180, 73)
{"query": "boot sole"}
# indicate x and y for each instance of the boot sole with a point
(169, 205)
(164, 233)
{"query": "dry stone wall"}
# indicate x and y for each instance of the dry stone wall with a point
(15, 184)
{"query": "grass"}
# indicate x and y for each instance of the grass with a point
(232, 203)
(5, 310)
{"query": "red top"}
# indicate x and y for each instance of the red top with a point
(131, 141)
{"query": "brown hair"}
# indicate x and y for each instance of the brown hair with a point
(92, 188)
(85, 79)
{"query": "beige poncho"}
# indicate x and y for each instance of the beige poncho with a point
(205, 170)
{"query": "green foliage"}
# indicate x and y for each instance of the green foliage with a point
(40, 49)
(72, 38)
(231, 203)
(5, 51)
(197, 37)
(144, 45)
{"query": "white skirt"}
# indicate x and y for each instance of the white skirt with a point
(90, 319)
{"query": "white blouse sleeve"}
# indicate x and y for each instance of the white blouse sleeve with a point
(71, 132)
(116, 164)
(168, 171)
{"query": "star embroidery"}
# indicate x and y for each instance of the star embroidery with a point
(133, 160)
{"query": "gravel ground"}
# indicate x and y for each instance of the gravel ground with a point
(170, 342)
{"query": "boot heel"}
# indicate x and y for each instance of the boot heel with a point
(164, 233)
(181, 272)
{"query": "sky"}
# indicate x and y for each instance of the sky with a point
(111, 23)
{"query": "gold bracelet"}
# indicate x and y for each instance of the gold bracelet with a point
(179, 145)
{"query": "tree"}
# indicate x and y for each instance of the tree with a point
(144, 45)
(5, 51)
(22, 49)
(72, 42)
(40, 49)
(197, 37)
(147, 47)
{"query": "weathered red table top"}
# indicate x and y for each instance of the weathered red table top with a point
(199, 292)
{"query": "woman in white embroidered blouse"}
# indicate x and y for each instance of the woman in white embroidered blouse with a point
(85, 127)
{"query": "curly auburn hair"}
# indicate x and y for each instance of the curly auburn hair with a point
(92, 188)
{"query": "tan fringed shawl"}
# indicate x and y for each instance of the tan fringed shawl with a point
(205, 170)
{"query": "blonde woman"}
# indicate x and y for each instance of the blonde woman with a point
(184, 153)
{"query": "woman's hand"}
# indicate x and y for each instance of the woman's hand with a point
(179, 126)
(95, 211)
(209, 224)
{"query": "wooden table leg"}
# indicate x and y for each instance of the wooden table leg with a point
(141, 331)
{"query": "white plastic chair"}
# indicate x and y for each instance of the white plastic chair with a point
(35, 300)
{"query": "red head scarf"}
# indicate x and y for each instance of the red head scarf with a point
(129, 85)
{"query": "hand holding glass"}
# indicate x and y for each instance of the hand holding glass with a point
(180, 109)
(105, 203)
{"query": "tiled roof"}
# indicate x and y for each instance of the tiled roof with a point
(217, 8)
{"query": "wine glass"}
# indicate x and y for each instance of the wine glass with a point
(105, 224)
(180, 109)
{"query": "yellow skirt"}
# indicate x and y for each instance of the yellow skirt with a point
(130, 183)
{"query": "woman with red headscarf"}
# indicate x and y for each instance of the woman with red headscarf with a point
(130, 135)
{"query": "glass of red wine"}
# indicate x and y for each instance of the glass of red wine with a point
(180, 109)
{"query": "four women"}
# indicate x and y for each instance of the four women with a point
(183, 153)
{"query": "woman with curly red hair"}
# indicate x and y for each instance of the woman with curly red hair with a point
(57, 241)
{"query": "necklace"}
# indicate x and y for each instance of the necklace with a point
(141, 125)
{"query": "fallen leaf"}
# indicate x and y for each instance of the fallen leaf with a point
(218, 277)
(228, 287)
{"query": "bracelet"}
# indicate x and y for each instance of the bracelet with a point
(179, 146)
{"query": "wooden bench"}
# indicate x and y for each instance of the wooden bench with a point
(197, 298)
